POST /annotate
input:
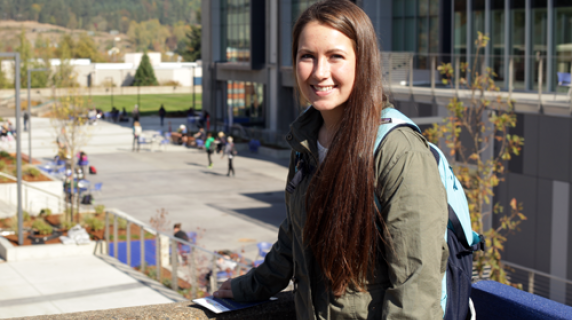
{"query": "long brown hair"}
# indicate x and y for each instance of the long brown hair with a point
(340, 227)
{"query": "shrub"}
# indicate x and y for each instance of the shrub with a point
(31, 171)
(66, 224)
(5, 154)
(45, 212)
(2, 165)
(93, 223)
(13, 224)
(121, 224)
(99, 209)
(42, 227)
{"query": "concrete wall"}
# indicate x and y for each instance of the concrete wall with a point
(33, 200)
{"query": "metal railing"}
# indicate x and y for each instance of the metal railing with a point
(197, 265)
(540, 283)
(512, 72)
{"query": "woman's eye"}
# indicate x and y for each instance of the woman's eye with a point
(306, 56)
(337, 56)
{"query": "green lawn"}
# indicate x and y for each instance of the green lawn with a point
(149, 103)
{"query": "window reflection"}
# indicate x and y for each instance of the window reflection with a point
(563, 40)
(235, 30)
(246, 100)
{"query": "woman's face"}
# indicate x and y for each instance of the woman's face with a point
(325, 66)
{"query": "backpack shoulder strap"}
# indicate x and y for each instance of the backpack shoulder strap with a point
(390, 119)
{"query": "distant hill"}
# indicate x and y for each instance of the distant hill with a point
(100, 15)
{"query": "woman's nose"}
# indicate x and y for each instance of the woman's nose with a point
(322, 69)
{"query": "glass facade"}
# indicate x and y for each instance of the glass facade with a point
(419, 18)
(497, 42)
(298, 6)
(460, 30)
(235, 17)
(562, 40)
(246, 100)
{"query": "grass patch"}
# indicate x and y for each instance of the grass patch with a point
(150, 103)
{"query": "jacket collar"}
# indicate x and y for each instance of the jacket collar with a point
(303, 135)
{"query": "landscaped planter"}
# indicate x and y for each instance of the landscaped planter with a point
(33, 200)
(10, 252)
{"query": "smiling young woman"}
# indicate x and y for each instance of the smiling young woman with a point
(350, 258)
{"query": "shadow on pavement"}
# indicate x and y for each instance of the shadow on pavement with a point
(268, 217)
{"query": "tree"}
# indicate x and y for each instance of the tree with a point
(70, 122)
(145, 76)
(86, 48)
(192, 52)
(64, 76)
(485, 118)
(38, 79)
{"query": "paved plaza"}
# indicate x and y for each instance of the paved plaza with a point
(235, 213)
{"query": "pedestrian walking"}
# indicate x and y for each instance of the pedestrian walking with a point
(230, 152)
(162, 113)
(137, 131)
(135, 114)
(26, 118)
(210, 146)
(221, 142)
(364, 234)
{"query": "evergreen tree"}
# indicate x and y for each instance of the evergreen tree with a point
(192, 51)
(145, 76)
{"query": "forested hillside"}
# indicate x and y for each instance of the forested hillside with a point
(100, 15)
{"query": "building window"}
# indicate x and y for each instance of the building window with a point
(246, 100)
(419, 18)
(298, 6)
(563, 38)
(235, 17)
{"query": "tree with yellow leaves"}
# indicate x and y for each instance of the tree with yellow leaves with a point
(70, 122)
(484, 119)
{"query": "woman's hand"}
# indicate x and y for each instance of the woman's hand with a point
(224, 291)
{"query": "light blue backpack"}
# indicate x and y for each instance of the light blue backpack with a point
(461, 238)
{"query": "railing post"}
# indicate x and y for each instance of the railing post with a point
(115, 244)
(142, 247)
(214, 276)
(389, 72)
(107, 232)
(158, 257)
(174, 258)
(531, 282)
(411, 74)
(457, 74)
(510, 76)
(433, 62)
(128, 243)
(540, 71)
(194, 282)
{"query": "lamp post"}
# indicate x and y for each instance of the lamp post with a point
(29, 111)
(16, 57)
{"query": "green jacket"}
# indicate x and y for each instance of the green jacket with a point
(406, 284)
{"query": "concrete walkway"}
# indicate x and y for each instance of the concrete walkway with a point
(55, 286)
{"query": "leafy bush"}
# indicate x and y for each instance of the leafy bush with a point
(121, 224)
(93, 223)
(5, 154)
(42, 227)
(66, 224)
(2, 165)
(13, 223)
(99, 209)
(31, 171)
(45, 212)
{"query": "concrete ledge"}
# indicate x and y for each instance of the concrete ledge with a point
(498, 301)
(281, 309)
(11, 253)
